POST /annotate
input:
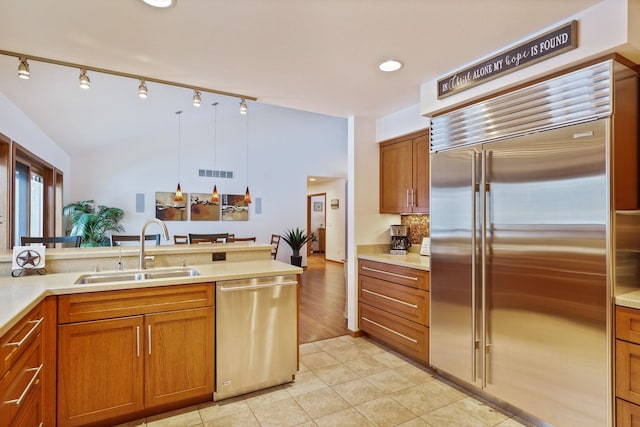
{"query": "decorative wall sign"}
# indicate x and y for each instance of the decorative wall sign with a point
(549, 44)
(203, 209)
(234, 208)
(28, 258)
(335, 203)
(169, 210)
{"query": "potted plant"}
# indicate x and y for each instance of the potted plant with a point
(92, 221)
(296, 239)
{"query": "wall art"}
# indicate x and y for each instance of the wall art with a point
(169, 210)
(203, 209)
(234, 208)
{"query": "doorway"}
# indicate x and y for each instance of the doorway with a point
(316, 224)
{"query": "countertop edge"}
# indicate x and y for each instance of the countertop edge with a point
(21, 295)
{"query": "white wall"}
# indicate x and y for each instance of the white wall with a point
(335, 218)
(285, 146)
(609, 26)
(20, 128)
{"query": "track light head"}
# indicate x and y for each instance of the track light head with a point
(85, 83)
(243, 106)
(197, 100)
(142, 90)
(23, 69)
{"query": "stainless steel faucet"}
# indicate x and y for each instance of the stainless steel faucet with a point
(142, 262)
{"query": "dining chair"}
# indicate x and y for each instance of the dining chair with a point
(180, 239)
(245, 239)
(231, 238)
(117, 239)
(64, 241)
(275, 242)
(208, 238)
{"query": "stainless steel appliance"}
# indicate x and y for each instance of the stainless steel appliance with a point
(256, 334)
(400, 242)
(521, 246)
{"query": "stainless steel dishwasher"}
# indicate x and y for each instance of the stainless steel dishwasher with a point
(256, 334)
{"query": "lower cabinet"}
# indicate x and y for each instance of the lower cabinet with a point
(627, 367)
(27, 369)
(120, 368)
(394, 307)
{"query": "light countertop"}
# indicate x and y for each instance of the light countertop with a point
(380, 253)
(629, 300)
(18, 295)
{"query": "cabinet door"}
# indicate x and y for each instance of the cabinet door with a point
(628, 371)
(100, 370)
(179, 355)
(627, 414)
(421, 174)
(396, 178)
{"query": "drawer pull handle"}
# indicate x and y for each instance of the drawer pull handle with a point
(390, 298)
(402, 276)
(31, 331)
(24, 394)
(390, 330)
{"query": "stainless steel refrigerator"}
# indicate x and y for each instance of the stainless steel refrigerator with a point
(520, 264)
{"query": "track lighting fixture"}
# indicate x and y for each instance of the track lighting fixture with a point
(84, 79)
(197, 100)
(142, 90)
(243, 106)
(23, 69)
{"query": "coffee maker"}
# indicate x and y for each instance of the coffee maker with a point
(400, 242)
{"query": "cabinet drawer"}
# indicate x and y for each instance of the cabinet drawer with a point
(628, 371)
(627, 414)
(407, 337)
(628, 324)
(131, 302)
(18, 338)
(394, 273)
(22, 384)
(403, 301)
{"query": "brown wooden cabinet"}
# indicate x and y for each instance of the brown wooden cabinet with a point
(133, 352)
(394, 306)
(27, 369)
(404, 174)
(627, 367)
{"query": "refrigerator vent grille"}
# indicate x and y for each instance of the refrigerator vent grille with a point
(572, 98)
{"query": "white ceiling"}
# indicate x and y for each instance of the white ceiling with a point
(313, 55)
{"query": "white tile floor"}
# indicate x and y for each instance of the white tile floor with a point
(345, 382)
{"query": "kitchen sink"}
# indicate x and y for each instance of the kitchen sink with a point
(124, 276)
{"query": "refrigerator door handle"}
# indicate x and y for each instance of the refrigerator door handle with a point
(484, 347)
(474, 339)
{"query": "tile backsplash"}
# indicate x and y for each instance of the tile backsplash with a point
(418, 227)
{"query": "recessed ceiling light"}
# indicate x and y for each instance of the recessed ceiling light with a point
(160, 3)
(390, 65)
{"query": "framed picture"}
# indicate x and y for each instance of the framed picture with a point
(317, 206)
(335, 204)
(169, 210)
(203, 209)
(234, 208)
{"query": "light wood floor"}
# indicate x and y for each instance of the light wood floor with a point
(322, 300)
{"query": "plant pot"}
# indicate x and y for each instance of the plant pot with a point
(296, 260)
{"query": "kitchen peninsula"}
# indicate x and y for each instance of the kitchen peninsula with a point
(40, 313)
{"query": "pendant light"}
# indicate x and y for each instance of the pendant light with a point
(215, 197)
(247, 194)
(178, 197)
(243, 107)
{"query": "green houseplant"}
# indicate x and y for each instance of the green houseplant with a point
(296, 239)
(92, 222)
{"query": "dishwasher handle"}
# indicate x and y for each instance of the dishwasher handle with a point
(223, 288)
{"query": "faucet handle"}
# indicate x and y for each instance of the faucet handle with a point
(183, 263)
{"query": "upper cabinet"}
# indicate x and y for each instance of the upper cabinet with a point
(404, 174)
